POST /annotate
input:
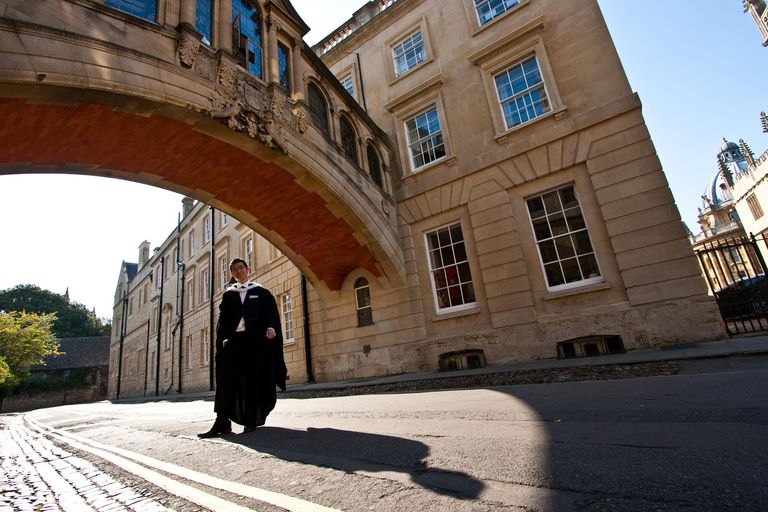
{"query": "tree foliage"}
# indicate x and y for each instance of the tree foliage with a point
(73, 320)
(25, 339)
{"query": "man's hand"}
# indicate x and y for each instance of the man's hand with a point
(271, 333)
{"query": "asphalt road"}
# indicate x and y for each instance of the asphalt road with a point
(683, 442)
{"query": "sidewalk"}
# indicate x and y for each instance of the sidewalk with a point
(701, 351)
(722, 348)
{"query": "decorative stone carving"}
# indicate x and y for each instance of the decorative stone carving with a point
(205, 66)
(242, 116)
(272, 23)
(302, 119)
(187, 48)
(227, 73)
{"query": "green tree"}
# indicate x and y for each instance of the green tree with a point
(25, 339)
(73, 320)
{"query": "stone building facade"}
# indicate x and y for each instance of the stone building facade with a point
(164, 306)
(534, 217)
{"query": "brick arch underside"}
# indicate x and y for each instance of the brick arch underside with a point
(90, 134)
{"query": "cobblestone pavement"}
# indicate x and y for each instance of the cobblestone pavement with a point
(37, 475)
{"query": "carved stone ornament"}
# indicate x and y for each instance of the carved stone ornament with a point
(227, 73)
(205, 66)
(240, 115)
(187, 48)
(302, 119)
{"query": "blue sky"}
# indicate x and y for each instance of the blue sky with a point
(699, 68)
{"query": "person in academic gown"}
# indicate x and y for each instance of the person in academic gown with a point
(249, 355)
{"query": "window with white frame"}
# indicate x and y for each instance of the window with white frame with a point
(223, 272)
(207, 230)
(189, 352)
(363, 302)
(349, 85)
(206, 347)
(274, 252)
(522, 93)
(490, 9)
(425, 138)
(205, 285)
(449, 268)
(562, 239)
(153, 319)
(224, 219)
(409, 53)
(248, 251)
(190, 294)
(191, 243)
(287, 310)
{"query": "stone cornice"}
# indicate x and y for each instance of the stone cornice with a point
(529, 28)
(436, 81)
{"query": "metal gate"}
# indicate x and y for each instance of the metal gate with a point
(735, 271)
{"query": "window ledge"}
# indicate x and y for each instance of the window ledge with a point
(289, 342)
(456, 314)
(408, 72)
(449, 160)
(578, 290)
(559, 113)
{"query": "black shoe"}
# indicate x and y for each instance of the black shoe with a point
(216, 430)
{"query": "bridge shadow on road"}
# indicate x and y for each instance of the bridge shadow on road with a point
(401, 459)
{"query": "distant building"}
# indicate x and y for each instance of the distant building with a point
(78, 374)
(733, 224)
(167, 303)
(757, 8)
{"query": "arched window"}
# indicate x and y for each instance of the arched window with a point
(363, 301)
(318, 109)
(374, 165)
(348, 138)
(283, 66)
(246, 20)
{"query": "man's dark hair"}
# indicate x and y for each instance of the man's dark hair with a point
(238, 260)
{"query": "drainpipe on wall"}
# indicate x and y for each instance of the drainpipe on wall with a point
(211, 333)
(305, 312)
(159, 326)
(362, 88)
(120, 350)
(146, 360)
(180, 325)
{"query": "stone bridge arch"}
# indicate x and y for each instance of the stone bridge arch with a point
(87, 89)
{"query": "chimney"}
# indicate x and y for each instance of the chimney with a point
(143, 253)
(188, 203)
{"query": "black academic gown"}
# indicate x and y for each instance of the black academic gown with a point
(248, 368)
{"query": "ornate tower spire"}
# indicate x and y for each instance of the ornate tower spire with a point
(749, 156)
(725, 170)
(764, 121)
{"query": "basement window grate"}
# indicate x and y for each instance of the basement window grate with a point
(590, 346)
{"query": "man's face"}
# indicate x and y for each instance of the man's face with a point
(239, 271)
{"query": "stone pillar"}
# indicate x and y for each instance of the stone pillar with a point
(223, 36)
(188, 12)
(297, 84)
(272, 69)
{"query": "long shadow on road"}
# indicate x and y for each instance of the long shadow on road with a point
(358, 451)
